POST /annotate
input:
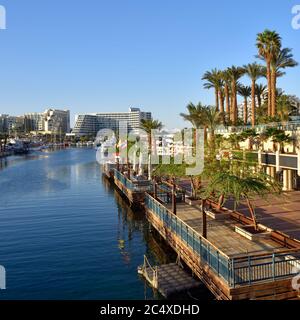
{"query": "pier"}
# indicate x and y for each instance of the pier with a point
(134, 190)
(232, 266)
(216, 247)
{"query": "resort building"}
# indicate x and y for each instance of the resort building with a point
(57, 121)
(35, 121)
(90, 124)
(3, 122)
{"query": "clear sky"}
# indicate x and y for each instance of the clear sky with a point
(108, 55)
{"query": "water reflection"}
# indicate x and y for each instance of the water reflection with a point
(134, 221)
(85, 242)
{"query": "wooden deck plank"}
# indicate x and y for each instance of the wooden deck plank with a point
(279, 213)
(222, 233)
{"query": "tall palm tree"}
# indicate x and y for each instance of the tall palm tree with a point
(226, 78)
(282, 60)
(213, 80)
(245, 92)
(269, 45)
(254, 71)
(235, 73)
(212, 118)
(148, 126)
(197, 117)
(260, 90)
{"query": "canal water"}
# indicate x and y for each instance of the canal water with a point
(65, 233)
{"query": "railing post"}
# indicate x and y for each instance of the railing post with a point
(193, 241)
(273, 266)
(200, 247)
(155, 189)
(249, 268)
(174, 198)
(233, 272)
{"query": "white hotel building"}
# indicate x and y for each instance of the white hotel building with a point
(90, 124)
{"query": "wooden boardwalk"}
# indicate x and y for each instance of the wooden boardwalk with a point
(222, 233)
(230, 265)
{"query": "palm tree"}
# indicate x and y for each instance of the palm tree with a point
(269, 45)
(280, 139)
(196, 117)
(212, 118)
(260, 90)
(234, 141)
(225, 184)
(254, 71)
(284, 108)
(235, 73)
(226, 78)
(245, 92)
(282, 60)
(148, 126)
(213, 80)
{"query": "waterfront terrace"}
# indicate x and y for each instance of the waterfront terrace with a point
(232, 266)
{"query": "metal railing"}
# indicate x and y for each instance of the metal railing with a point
(252, 269)
(235, 271)
(219, 262)
(164, 193)
(138, 186)
(286, 126)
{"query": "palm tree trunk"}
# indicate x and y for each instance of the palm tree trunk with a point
(245, 111)
(222, 105)
(253, 103)
(217, 98)
(234, 103)
(269, 88)
(252, 213)
(221, 200)
(227, 99)
(273, 93)
(259, 100)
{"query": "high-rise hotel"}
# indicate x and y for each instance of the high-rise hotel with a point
(90, 124)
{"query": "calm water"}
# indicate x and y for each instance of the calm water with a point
(66, 234)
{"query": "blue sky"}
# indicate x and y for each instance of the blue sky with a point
(97, 55)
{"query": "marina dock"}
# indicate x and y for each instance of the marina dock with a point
(230, 264)
(168, 279)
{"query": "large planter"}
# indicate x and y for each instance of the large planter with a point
(249, 233)
(216, 215)
(193, 202)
